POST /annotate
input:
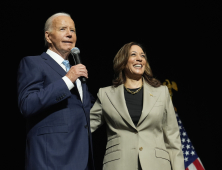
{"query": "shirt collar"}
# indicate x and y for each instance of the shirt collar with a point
(55, 56)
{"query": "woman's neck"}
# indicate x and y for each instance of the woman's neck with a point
(133, 83)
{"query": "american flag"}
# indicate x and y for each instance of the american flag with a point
(191, 159)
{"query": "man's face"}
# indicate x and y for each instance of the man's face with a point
(62, 36)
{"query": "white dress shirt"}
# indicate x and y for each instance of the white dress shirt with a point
(68, 82)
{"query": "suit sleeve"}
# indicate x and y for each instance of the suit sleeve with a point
(96, 113)
(33, 96)
(172, 135)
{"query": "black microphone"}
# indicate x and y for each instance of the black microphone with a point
(76, 57)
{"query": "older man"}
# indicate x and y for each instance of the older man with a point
(55, 103)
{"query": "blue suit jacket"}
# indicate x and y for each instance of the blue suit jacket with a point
(58, 134)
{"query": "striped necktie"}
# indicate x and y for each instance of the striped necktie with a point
(67, 65)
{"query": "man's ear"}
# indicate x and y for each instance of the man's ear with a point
(47, 37)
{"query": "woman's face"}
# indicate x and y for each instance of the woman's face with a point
(136, 62)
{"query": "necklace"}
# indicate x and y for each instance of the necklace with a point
(134, 92)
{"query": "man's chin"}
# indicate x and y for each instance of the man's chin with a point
(68, 48)
(66, 51)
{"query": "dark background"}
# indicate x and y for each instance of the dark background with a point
(182, 40)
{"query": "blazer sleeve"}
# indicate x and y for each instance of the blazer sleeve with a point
(33, 96)
(172, 135)
(96, 113)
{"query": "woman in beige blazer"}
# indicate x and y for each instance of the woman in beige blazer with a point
(142, 131)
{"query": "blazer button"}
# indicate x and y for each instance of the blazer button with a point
(141, 148)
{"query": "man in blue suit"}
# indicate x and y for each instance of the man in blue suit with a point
(55, 103)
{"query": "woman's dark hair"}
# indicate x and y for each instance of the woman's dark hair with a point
(119, 64)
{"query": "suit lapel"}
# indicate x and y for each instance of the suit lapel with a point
(150, 96)
(53, 64)
(84, 93)
(117, 98)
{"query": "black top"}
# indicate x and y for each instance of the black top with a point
(134, 103)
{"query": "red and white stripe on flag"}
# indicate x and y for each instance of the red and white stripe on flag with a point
(196, 165)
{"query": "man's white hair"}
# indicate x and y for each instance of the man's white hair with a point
(48, 23)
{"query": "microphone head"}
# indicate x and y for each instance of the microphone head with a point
(75, 50)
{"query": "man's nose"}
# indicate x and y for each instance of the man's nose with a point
(69, 33)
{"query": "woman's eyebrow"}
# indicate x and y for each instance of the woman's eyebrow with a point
(136, 52)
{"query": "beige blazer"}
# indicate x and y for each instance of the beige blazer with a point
(155, 140)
